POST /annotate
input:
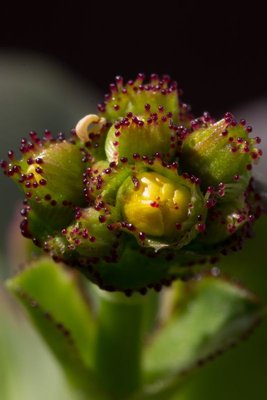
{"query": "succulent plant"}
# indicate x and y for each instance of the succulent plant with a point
(140, 192)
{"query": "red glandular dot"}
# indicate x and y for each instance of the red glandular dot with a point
(130, 227)
(10, 154)
(3, 164)
(16, 169)
(48, 135)
(111, 227)
(102, 218)
(142, 235)
(257, 140)
(200, 227)
(24, 212)
(24, 228)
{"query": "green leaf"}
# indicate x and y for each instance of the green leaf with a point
(28, 370)
(63, 346)
(57, 292)
(215, 315)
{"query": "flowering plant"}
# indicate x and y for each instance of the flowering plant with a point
(141, 194)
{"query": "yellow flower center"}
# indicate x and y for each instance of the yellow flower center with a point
(157, 206)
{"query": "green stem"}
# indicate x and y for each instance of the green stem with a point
(118, 348)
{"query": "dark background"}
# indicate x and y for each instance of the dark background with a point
(216, 53)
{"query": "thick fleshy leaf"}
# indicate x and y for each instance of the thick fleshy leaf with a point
(217, 314)
(57, 292)
(28, 370)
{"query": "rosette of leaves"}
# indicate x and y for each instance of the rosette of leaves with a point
(140, 191)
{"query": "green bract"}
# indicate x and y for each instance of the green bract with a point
(141, 191)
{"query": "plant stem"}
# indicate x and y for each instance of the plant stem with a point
(119, 338)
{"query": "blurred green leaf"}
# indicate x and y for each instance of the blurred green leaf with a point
(55, 303)
(216, 314)
(28, 370)
(57, 291)
(239, 374)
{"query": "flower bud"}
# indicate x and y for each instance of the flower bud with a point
(225, 220)
(116, 202)
(219, 152)
(157, 205)
(142, 136)
(89, 236)
(164, 208)
(51, 171)
(139, 98)
(51, 176)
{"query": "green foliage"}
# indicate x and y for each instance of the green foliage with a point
(195, 334)
(28, 370)
(55, 291)
(206, 317)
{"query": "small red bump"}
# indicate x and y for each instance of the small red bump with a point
(200, 227)
(258, 140)
(10, 154)
(102, 218)
(142, 235)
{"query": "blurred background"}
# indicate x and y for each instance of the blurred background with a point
(56, 64)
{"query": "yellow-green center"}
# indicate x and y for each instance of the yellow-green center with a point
(157, 205)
